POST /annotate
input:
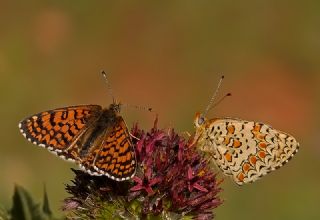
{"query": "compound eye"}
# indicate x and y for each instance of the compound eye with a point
(200, 120)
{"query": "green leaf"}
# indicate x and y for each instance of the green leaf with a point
(46, 208)
(23, 205)
(24, 208)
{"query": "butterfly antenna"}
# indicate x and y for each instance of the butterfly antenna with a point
(139, 107)
(219, 101)
(110, 91)
(213, 96)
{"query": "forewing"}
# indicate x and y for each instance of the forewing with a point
(58, 129)
(116, 156)
(248, 150)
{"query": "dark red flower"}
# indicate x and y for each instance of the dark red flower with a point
(171, 179)
(181, 178)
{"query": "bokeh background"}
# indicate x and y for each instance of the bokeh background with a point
(169, 56)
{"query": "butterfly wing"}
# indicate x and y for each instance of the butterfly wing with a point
(246, 150)
(116, 156)
(58, 129)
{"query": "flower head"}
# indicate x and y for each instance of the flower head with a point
(172, 180)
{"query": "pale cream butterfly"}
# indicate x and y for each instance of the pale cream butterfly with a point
(244, 150)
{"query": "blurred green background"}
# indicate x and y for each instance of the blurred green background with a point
(167, 55)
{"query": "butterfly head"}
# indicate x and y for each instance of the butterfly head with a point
(199, 123)
(115, 107)
(199, 120)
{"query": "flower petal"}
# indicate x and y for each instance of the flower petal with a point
(199, 187)
(137, 188)
(137, 179)
(155, 181)
(149, 190)
(190, 173)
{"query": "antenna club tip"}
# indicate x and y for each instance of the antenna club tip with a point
(229, 94)
(150, 109)
(103, 72)
(222, 77)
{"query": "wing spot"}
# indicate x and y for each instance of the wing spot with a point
(241, 177)
(103, 153)
(231, 129)
(246, 167)
(257, 127)
(124, 147)
(226, 140)
(236, 143)
(261, 154)
(64, 128)
(128, 156)
(253, 160)
(119, 159)
(228, 156)
(261, 136)
(262, 145)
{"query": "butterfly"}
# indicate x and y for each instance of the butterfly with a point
(96, 138)
(244, 150)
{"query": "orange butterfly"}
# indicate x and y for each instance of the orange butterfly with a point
(96, 138)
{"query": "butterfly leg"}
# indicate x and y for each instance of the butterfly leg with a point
(134, 136)
(186, 133)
